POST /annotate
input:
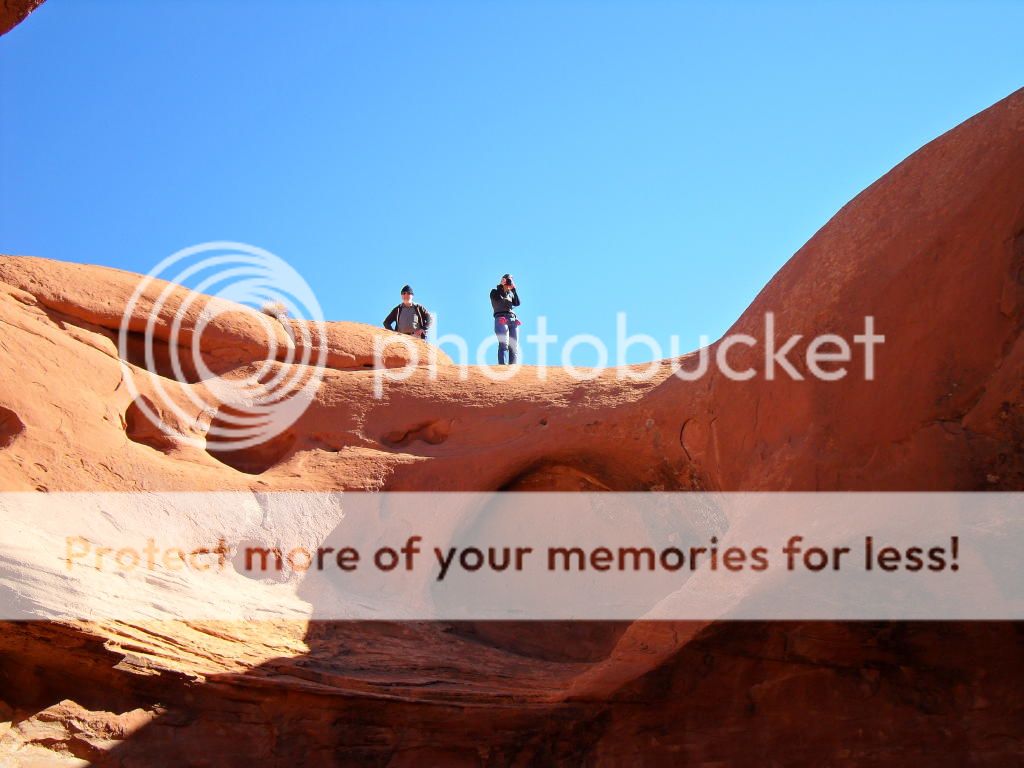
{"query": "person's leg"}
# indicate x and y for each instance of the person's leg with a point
(501, 331)
(513, 342)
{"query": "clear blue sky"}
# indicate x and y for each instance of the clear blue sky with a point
(663, 159)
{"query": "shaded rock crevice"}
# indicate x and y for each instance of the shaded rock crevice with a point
(11, 427)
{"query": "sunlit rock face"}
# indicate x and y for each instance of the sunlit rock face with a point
(933, 252)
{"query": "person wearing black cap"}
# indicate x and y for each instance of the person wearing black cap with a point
(506, 325)
(408, 317)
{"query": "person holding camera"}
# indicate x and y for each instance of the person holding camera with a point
(408, 317)
(506, 326)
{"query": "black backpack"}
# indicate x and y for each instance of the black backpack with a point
(421, 312)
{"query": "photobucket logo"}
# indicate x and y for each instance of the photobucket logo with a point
(737, 356)
(224, 279)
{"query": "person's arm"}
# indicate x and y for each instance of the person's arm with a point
(427, 318)
(515, 297)
(391, 319)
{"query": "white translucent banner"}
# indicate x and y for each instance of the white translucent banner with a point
(464, 556)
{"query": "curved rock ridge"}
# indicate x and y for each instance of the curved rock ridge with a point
(933, 252)
(230, 334)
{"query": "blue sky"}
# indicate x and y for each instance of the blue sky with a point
(658, 158)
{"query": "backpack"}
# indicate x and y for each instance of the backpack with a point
(421, 313)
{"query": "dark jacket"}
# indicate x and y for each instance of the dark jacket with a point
(502, 303)
(391, 321)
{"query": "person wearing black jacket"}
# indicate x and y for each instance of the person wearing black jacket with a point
(408, 317)
(506, 326)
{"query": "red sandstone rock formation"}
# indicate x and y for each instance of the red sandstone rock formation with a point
(934, 251)
(13, 12)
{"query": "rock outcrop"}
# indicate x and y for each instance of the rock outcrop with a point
(933, 251)
(13, 12)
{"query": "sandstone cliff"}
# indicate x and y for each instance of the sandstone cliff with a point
(934, 251)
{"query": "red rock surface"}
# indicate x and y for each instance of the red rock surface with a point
(934, 251)
(13, 12)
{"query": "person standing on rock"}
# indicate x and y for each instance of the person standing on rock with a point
(506, 325)
(408, 317)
